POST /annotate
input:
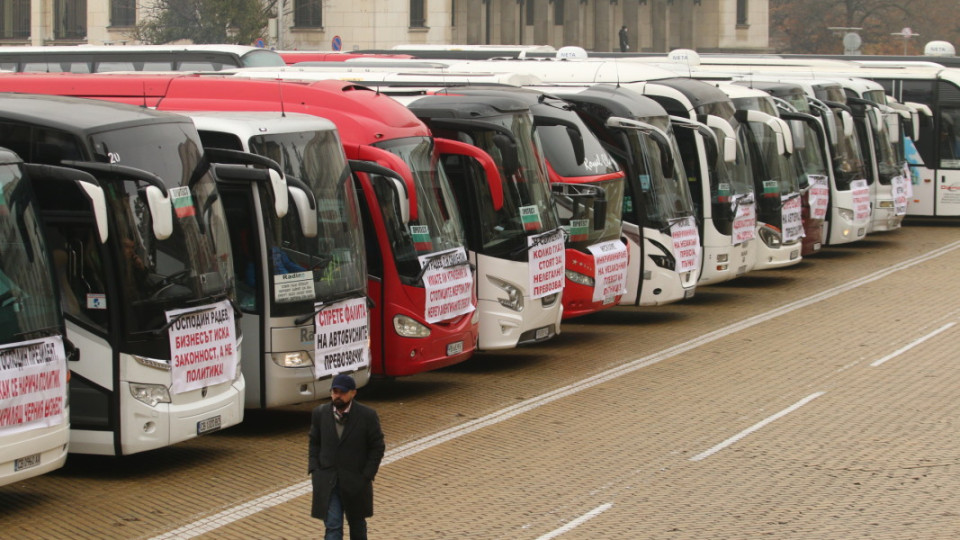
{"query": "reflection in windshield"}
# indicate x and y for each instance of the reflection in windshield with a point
(437, 226)
(192, 265)
(28, 303)
(576, 207)
(335, 257)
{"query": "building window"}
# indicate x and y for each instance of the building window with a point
(70, 19)
(15, 19)
(557, 11)
(529, 14)
(123, 12)
(418, 14)
(741, 12)
(308, 14)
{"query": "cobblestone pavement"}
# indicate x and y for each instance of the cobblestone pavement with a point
(816, 401)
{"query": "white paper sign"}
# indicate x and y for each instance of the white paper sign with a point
(745, 222)
(548, 258)
(791, 216)
(861, 199)
(203, 346)
(610, 270)
(818, 195)
(342, 338)
(900, 186)
(33, 385)
(293, 287)
(686, 244)
(449, 285)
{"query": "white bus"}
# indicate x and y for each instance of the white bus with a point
(289, 267)
(104, 58)
(34, 408)
(779, 207)
(148, 290)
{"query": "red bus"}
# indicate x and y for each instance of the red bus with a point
(424, 312)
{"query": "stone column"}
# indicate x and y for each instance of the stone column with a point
(604, 39)
(543, 21)
(571, 23)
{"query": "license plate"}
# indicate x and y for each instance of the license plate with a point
(26, 462)
(208, 425)
(794, 254)
(542, 333)
(741, 270)
(609, 300)
(816, 246)
(689, 293)
(455, 348)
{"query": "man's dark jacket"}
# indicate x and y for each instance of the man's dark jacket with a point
(352, 459)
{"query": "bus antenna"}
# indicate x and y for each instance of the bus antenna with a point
(283, 110)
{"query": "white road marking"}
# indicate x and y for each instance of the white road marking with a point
(755, 427)
(577, 522)
(240, 511)
(911, 345)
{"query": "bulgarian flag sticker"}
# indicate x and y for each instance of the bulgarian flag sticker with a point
(530, 216)
(578, 229)
(421, 237)
(182, 202)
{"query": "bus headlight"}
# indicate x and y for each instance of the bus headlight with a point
(577, 277)
(514, 299)
(292, 359)
(407, 327)
(884, 204)
(769, 236)
(151, 394)
(846, 214)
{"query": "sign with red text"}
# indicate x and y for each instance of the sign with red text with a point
(203, 346)
(610, 270)
(448, 281)
(791, 219)
(900, 187)
(818, 195)
(745, 222)
(860, 193)
(33, 385)
(548, 259)
(686, 244)
(342, 338)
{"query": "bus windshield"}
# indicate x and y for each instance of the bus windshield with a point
(577, 212)
(807, 154)
(848, 161)
(437, 226)
(562, 156)
(29, 307)
(887, 165)
(335, 258)
(664, 198)
(193, 265)
(526, 189)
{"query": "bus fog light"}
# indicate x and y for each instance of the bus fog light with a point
(407, 327)
(151, 394)
(885, 204)
(579, 278)
(292, 359)
(149, 427)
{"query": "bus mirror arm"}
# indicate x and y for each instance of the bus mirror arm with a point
(85, 181)
(494, 180)
(400, 186)
(278, 183)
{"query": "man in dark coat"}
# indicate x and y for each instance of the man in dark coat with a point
(346, 447)
(624, 39)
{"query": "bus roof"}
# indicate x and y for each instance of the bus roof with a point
(248, 124)
(75, 115)
(619, 101)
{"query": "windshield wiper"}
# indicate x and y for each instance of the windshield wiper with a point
(324, 305)
(218, 297)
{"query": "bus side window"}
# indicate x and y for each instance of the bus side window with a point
(950, 138)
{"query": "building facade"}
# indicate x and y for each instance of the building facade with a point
(653, 25)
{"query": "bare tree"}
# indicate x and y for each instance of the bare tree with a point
(803, 27)
(206, 21)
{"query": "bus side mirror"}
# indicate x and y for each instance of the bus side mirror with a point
(727, 143)
(278, 186)
(397, 183)
(599, 213)
(307, 212)
(494, 180)
(576, 139)
(847, 123)
(161, 212)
